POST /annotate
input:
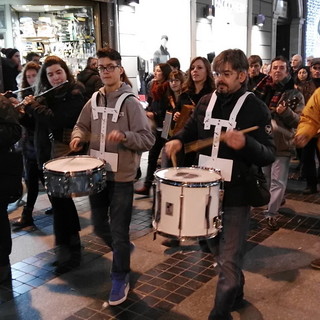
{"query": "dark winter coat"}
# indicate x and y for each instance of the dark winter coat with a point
(258, 150)
(55, 116)
(91, 80)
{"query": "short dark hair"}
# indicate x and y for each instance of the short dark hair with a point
(235, 57)
(174, 62)
(283, 59)
(30, 56)
(109, 53)
(254, 59)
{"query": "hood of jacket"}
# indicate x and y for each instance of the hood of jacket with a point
(86, 74)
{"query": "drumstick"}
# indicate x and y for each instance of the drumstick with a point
(174, 160)
(199, 144)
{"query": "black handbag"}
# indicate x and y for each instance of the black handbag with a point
(11, 167)
(258, 191)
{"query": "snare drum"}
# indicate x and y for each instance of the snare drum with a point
(74, 176)
(187, 203)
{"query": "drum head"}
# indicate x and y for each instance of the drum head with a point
(188, 175)
(73, 164)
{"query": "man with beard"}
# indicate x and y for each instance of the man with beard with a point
(285, 103)
(221, 116)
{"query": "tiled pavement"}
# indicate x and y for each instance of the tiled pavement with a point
(157, 289)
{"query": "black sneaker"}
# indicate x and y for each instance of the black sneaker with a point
(171, 243)
(272, 224)
(23, 223)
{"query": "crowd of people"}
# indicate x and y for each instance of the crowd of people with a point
(220, 99)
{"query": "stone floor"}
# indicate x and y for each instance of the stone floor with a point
(167, 283)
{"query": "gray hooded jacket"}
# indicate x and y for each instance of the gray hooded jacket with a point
(132, 121)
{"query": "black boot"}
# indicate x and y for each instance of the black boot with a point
(69, 256)
(25, 220)
(5, 273)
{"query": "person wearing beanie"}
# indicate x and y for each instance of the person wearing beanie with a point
(11, 67)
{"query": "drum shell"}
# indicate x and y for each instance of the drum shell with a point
(183, 206)
(66, 184)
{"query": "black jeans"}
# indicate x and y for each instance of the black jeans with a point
(32, 175)
(235, 225)
(65, 220)
(5, 235)
(309, 164)
(153, 159)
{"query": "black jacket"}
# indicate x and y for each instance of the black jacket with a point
(10, 162)
(259, 149)
(91, 80)
(55, 116)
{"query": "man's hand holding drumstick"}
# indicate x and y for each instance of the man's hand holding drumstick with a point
(234, 139)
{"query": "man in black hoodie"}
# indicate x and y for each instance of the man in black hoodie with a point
(234, 153)
(90, 77)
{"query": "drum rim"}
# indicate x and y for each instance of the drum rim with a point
(188, 184)
(199, 237)
(97, 168)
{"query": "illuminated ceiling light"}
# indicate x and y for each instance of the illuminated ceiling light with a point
(209, 12)
(259, 20)
(132, 3)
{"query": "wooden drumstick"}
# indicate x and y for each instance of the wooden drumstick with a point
(174, 160)
(199, 144)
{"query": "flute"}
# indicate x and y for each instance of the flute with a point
(43, 93)
(22, 89)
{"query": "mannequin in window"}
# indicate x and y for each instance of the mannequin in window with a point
(162, 55)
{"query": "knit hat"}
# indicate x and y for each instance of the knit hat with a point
(315, 61)
(9, 52)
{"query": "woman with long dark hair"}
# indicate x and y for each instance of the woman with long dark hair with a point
(156, 112)
(55, 115)
(199, 82)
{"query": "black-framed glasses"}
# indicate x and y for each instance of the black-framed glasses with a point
(109, 68)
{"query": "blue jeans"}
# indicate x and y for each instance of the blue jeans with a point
(235, 224)
(111, 211)
(277, 178)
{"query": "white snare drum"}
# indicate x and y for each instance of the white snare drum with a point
(188, 202)
(74, 176)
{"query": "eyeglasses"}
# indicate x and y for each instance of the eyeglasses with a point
(109, 68)
(316, 68)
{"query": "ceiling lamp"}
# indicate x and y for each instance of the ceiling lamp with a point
(259, 20)
(132, 3)
(209, 12)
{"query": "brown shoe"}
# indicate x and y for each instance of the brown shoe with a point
(315, 264)
(143, 191)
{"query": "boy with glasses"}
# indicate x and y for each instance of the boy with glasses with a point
(119, 133)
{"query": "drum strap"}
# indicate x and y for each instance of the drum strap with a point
(224, 165)
(111, 158)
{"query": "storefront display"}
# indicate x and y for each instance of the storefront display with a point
(67, 33)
